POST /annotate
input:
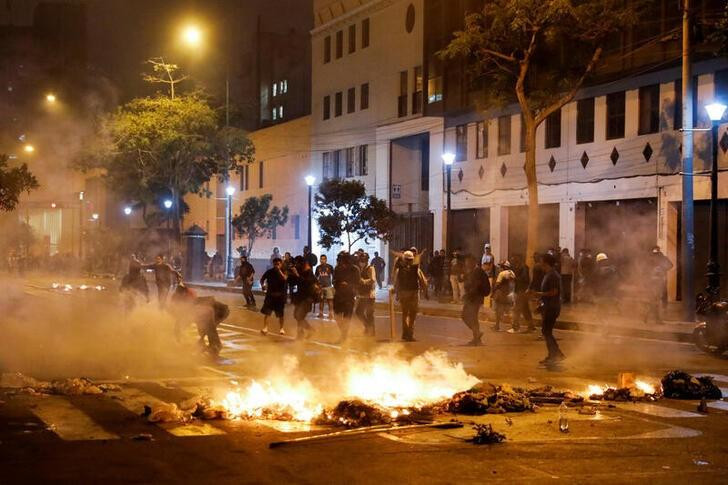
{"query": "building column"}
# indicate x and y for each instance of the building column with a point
(499, 231)
(437, 195)
(567, 226)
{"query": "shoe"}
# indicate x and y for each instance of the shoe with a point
(559, 358)
(321, 315)
(475, 343)
(264, 331)
(512, 330)
(545, 361)
(281, 332)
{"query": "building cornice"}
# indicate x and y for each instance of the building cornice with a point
(362, 11)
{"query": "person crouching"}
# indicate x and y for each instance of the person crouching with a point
(206, 312)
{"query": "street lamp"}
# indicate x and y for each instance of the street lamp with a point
(230, 191)
(50, 98)
(28, 148)
(715, 113)
(310, 180)
(167, 204)
(95, 216)
(448, 158)
(192, 35)
(127, 210)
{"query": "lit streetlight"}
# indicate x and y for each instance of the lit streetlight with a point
(310, 180)
(28, 148)
(192, 35)
(167, 204)
(53, 205)
(127, 210)
(715, 113)
(448, 158)
(50, 98)
(230, 191)
(95, 216)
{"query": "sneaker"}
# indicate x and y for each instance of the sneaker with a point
(512, 330)
(281, 332)
(321, 315)
(264, 331)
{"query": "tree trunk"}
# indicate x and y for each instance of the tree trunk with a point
(532, 183)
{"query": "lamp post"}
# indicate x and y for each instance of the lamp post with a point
(715, 113)
(310, 180)
(448, 158)
(229, 190)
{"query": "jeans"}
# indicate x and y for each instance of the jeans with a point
(409, 301)
(521, 308)
(248, 293)
(470, 317)
(547, 329)
(365, 313)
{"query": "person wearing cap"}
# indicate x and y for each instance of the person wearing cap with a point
(550, 295)
(658, 266)
(487, 258)
(408, 280)
(503, 294)
(477, 287)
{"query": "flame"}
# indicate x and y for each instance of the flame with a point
(266, 400)
(645, 387)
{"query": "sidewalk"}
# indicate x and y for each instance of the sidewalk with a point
(626, 321)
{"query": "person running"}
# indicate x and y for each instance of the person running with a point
(550, 295)
(346, 280)
(379, 265)
(305, 282)
(164, 275)
(246, 273)
(408, 280)
(477, 287)
(273, 283)
(503, 294)
(325, 276)
(521, 307)
(366, 294)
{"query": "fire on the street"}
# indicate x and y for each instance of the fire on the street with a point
(637, 390)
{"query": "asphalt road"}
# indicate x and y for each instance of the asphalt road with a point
(80, 439)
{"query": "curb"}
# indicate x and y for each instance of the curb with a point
(614, 330)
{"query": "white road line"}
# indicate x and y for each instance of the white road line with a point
(722, 405)
(315, 342)
(135, 399)
(659, 411)
(69, 422)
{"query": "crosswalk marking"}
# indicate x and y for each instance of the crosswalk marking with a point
(660, 411)
(135, 399)
(69, 422)
(722, 405)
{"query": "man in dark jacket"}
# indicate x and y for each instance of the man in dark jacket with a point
(550, 295)
(346, 281)
(206, 312)
(134, 284)
(378, 264)
(246, 272)
(521, 306)
(408, 280)
(274, 282)
(164, 275)
(305, 282)
(477, 287)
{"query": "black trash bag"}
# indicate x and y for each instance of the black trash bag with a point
(681, 385)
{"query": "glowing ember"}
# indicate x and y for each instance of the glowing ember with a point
(645, 387)
(595, 390)
(393, 382)
(83, 287)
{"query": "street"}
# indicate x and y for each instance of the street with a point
(92, 437)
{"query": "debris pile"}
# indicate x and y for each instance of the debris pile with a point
(681, 385)
(547, 395)
(489, 399)
(76, 386)
(355, 413)
(484, 434)
(625, 394)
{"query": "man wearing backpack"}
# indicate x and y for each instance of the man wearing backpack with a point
(477, 287)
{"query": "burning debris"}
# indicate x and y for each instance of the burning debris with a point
(76, 386)
(485, 435)
(681, 385)
(640, 391)
(489, 399)
(355, 413)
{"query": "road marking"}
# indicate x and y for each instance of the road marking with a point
(69, 422)
(659, 411)
(134, 400)
(716, 377)
(722, 405)
(314, 342)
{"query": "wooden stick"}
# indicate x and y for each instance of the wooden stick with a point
(362, 431)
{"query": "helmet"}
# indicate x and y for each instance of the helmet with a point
(601, 257)
(408, 255)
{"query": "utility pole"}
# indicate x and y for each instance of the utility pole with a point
(687, 236)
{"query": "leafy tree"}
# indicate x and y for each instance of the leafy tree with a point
(164, 73)
(14, 181)
(258, 219)
(156, 148)
(344, 210)
(539, 52)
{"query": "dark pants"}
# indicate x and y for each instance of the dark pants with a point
(162, 292)
(380, 278)
(365, 313)
(566, 280)
(207, 327)
(300, 311)
(521, 308)
(409, 301)
(437, 279)
(470, 317)
(547, 329)
(248, 293)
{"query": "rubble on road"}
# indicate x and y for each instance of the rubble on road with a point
(625, 395)
(484, 434)
(547, 395)
(166, 413)
(355, 413)
(488, 399)
(75, 386)
(681, 385)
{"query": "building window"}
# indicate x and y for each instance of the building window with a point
(296, 220)
(504, 135)
(649, 109)
(677, 106)
(336, 164)
(481, 139)
(327, 49)
(244, 173)
(434, 89)
(349, 154)
(364, 160)
(327, 169)
(351, 100)
(275, 113)
(339, 44)
(461, 143)
(284, 86)
(364, 96)
(417, 94)
(338, 103)
(365, 33)
(327, 107)
(275, 89)
(260, 175)
(352, 38)
(615, 115)
(522, 138)
(552, 133)
(403, 88)
(585, 120)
